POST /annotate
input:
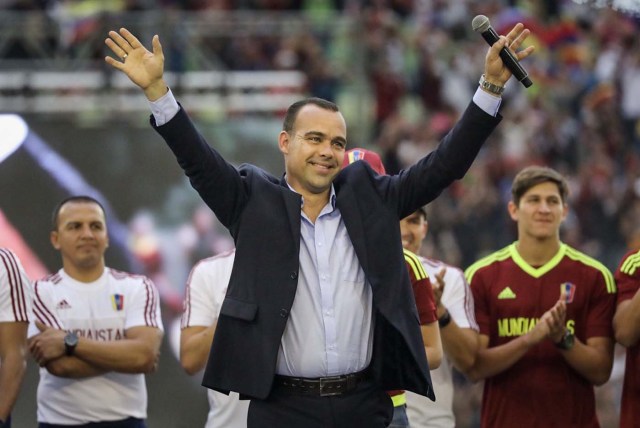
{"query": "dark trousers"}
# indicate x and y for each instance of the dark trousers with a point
(366, 406)
(124, 423)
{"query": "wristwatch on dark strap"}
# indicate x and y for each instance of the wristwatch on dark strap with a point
(567, 341)
(70, 343)
(445, 319)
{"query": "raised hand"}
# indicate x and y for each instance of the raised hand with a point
(494, 69)
(143, 67)
(438, 286)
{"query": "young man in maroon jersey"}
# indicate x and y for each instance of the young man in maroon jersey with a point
(626, 324)
(545, 315)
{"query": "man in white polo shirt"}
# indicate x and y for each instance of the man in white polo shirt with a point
(206, 288)
(98, 329)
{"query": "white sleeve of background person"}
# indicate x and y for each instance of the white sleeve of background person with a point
(15, 289)
(459, 302)
(206, 289)
(102, 310)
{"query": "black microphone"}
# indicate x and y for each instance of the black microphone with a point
(482, 25)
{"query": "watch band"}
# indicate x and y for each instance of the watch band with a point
(445, 319)
(494, 89)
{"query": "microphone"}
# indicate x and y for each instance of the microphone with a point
(481, 24)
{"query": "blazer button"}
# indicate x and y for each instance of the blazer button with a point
(293, 275)
(284, 313)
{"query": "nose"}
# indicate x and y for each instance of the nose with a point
(325, 149)
(544, 207)
(86, 232)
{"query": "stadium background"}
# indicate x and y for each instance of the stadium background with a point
(401, 71)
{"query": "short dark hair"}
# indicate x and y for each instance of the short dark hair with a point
(292, 111)
(532, 176)
(79, 198)
(423, 212)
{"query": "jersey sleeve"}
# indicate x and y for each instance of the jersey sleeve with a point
(201, 302)
(143, 310)
(628, 276)
(458, 299)
(602, 306)
(480, 301)
(422, 291)
(15, 289)
(44, 308)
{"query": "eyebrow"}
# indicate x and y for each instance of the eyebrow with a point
(323, 135)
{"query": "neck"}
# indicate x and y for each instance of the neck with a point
(537, 252)
(314, 203)
(84, 274)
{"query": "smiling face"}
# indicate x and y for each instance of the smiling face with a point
(314, 149)
(81, 237)
(413, 230)
(539, 212)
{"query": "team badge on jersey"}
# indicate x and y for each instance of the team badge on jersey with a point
(569, 290)
(355, 155)
(117, 301)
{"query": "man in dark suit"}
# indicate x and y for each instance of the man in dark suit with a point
(319, 318)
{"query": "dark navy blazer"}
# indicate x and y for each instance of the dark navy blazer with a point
(263, 216)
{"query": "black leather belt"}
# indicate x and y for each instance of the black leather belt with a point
(321, 386)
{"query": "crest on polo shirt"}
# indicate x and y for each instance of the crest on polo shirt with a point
(117, 302)
(569, 289)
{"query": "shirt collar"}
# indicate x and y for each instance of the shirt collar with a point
(332, 194)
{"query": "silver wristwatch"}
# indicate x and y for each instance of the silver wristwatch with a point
(494, 89)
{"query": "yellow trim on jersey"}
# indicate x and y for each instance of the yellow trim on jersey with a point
(498, 256)
(545, 268)
(576, 255)
(631, 264)
(416, 265)
(565, 250)
(399, 400)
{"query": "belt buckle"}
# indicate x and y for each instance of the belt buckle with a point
(327, 382)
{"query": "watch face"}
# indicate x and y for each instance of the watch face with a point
(71, 339)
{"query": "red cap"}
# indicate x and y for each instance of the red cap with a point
(372, 158)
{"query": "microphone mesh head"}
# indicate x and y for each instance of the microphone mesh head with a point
(480, 24)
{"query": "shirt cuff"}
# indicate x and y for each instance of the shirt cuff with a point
(164, 108)
(487, 102)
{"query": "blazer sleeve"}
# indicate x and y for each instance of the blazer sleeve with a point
(425, 180)
(220, 185)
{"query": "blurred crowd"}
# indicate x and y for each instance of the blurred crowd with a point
(419, 61)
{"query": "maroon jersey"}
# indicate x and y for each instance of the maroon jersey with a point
(423, 294)
(628, 280)
(510, 296)
(422, 291)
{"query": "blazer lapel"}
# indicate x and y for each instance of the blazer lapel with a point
(346, 203)
(292, 202)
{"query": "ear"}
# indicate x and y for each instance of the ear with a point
(53, 237)
(425, 229)
(283, 142)
(565, 211)
(513, 210)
